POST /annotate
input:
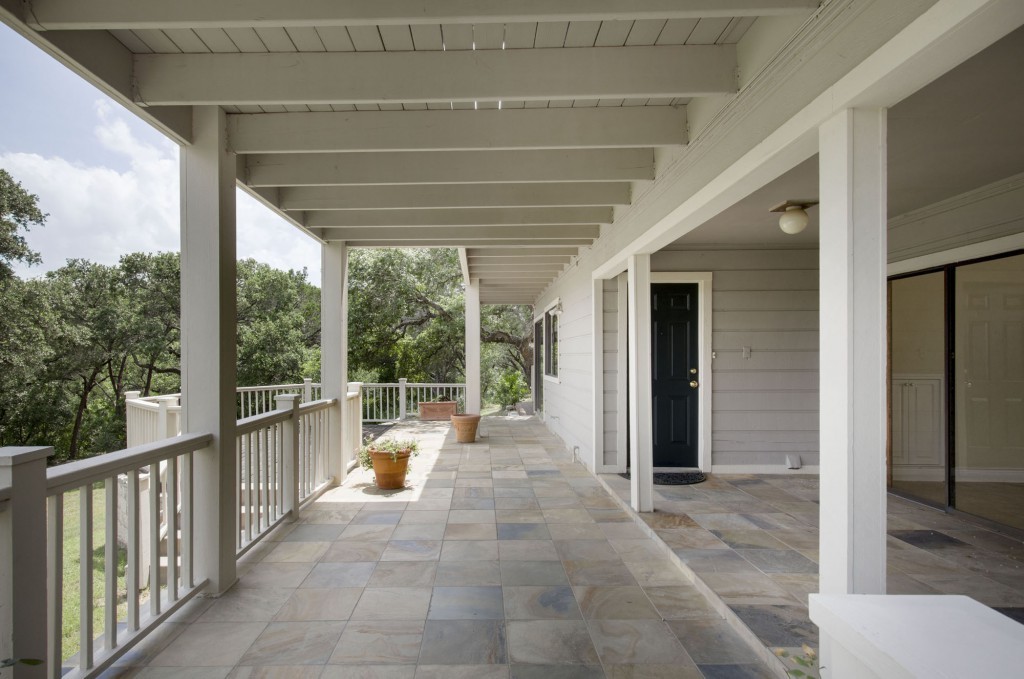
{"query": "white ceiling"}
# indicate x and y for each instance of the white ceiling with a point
(963, 131)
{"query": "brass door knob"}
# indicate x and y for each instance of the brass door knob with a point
(693, 371)
(693, 384)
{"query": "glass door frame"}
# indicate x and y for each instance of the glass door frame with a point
(949, 304)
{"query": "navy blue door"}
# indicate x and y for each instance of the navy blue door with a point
(675, 379)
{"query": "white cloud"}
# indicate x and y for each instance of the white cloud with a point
(99, 213)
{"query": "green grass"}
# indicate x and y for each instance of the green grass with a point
(71, 623)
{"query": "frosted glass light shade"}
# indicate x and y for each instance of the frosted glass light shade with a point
(793, 220)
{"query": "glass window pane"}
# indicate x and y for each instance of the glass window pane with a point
(989, 377)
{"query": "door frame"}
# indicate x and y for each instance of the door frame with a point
(703, 279)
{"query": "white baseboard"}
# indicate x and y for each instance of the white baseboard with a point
(762, 469)
(990, 475)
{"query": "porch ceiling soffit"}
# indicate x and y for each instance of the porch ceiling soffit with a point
(488, 216)
(929, 44)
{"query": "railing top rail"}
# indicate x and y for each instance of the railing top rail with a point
(314, 406)
(250, 424)
(436, 385)
(353, 395)
(76, 474)
(268, 387)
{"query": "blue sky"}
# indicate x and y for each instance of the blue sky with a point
(108, 180)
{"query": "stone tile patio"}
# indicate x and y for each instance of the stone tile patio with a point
(501, 558)
(504, 558)
(751, 544)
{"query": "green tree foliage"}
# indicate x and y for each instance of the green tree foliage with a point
(19, 209)
(73, 342)
(407, 319)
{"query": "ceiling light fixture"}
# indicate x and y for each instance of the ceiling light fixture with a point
(794, 217)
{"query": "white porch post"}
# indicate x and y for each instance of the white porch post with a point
(23, 573)
(641, 450)
(334, 351)
(473, 346)
(208, 354)
(852, 167)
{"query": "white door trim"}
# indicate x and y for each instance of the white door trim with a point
(703, 281)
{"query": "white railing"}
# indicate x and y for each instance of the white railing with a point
(127, 610)
(152, 418)
(386, 402)
(352, 437)
(282, 463)
(258, 400)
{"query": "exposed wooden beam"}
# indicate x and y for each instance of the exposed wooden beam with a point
(513, 276)
(467, 75)
(511, 243)
(478, 267)
(160, 14)
(569, 194)
(475, 233)
(514, 259)
(597, 127)
(483, 253)
(449, 167)
(464, 264)
(461, 217)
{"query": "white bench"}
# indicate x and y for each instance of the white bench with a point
(927, 637)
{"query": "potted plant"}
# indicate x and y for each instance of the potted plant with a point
(440, 408)
(465, 426)
(389, 460)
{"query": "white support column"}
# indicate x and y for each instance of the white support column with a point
(852, 168)
(596, 458)
(334, 352)
(23, 573)
(473, 346)
(641, 449)
(208, 353)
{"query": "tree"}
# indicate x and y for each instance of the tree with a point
(18, 210)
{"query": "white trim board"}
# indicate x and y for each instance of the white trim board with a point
(996, 246)
(763, 469)
(703, 279)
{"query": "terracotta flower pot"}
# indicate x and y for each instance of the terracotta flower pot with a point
(390, 472)
(465, 427)
(437, 410)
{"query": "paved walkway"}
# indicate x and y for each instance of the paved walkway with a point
(502, 558)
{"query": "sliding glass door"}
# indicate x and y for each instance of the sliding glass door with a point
(956, 342)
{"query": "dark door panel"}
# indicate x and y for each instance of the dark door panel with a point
(675, 380)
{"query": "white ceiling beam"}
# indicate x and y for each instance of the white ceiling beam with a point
(482, 265)
(570, 194)
(484, 253)
(471, 217)
(511, 243)
(597, 127)
(464, 264)
(448, 167)
(439, 77)
(513, 276)
(476, 233)
(160, 14)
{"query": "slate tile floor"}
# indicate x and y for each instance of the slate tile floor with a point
(753, 541)
(502, 559)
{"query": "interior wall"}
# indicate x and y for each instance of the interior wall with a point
(765, 400)
(917, 339)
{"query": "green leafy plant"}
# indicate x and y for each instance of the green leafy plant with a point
(808, 660)
(385, 445)
(511, 388)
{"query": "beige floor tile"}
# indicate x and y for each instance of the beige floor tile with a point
(294, 643)
(469, 550)
(210, 644)
(393, 603)
(403, 574)
(636, 642)
(297, 551)
(320, 604)
(241, 604)
(379, 642)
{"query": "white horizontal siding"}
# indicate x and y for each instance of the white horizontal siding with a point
(764, 406)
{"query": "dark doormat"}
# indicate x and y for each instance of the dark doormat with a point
(675, 478)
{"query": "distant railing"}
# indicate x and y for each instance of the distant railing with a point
(257, 400)
(353, 437)
(386, 402)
